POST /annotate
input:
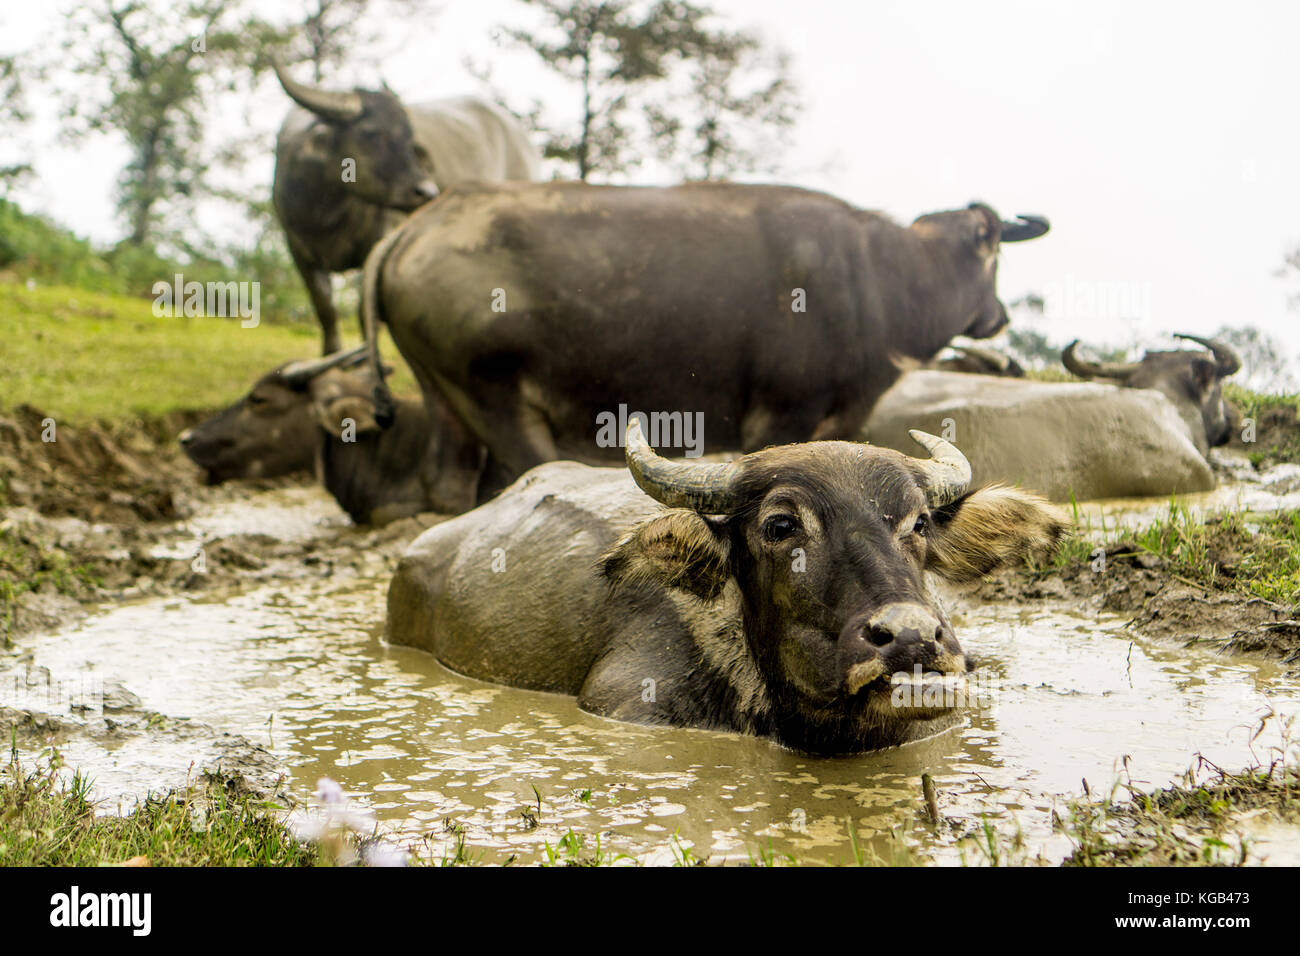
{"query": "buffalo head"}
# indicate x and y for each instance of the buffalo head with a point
(828, 545)
(273, 430)
(372, 129)
(974, 235)
(1193, 381)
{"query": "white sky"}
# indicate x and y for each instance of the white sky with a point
(1160, 138)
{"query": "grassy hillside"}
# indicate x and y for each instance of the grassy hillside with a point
(80, 355)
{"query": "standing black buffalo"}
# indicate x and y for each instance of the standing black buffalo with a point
(348, 165)
(531, 312)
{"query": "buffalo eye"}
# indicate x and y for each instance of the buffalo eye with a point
(780, 527)
(255, 399)
(922, 526)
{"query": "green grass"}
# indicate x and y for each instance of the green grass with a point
(27, 565)
(1277, 428)
(46, 820)
(83, 356)
(1195, 825)
(1251, 554)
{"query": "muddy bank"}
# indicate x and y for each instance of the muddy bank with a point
(1120, 578)
(46, 713)
(105, 514)
(122, 472)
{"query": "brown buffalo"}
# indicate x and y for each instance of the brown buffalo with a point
(1192, 381)
(320, 414)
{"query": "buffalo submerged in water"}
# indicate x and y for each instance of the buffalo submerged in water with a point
(783, 594)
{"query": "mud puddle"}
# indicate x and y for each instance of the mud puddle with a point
(1242, 488)
(294, 674)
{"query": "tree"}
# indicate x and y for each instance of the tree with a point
(13, 112)
(162, 70)
(610, 50)
(739, 106)
(331, 33)
(1291, 268)
(1263, 358)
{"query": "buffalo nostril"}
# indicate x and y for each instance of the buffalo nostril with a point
(186, 437)
(880, 636)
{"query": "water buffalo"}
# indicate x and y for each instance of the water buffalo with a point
(348, 165)
(319, 413)
(530, 313)
(1190, 380)
(783, 594)
(1063, 439)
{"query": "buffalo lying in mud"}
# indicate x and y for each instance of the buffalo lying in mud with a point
(783, 594)
(1191, 381)
(320, 413)
(1064, 439)
(528, 312)
(400, 155)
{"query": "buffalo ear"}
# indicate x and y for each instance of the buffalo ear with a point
(1205, 373)
(331, 414)
(991, 528)
(676, 549)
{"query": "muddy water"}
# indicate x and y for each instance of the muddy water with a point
(299, 667)
(1276, 489)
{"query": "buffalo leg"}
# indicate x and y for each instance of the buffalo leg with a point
(495, 479)
(322, 300)
(453, 461)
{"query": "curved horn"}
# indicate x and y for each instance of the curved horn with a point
(1227, 357)
(297, 374)
(990, 357)
(1029, 227)
(339, 107)
(708, 489)
(946, 476)
(1085, 369)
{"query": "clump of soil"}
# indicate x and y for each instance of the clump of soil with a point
(122, 473)
(1276, 433)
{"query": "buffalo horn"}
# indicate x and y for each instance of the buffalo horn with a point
(706, 488)
(339, 107)
(1085, 369)
(297, 374)
(1227, 357)
(946, 476)
(1029, 227)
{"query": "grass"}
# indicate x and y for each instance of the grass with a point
(1251, 554)
(46, 820)
(82, 356)
(1192, 825)
(1277, 424)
